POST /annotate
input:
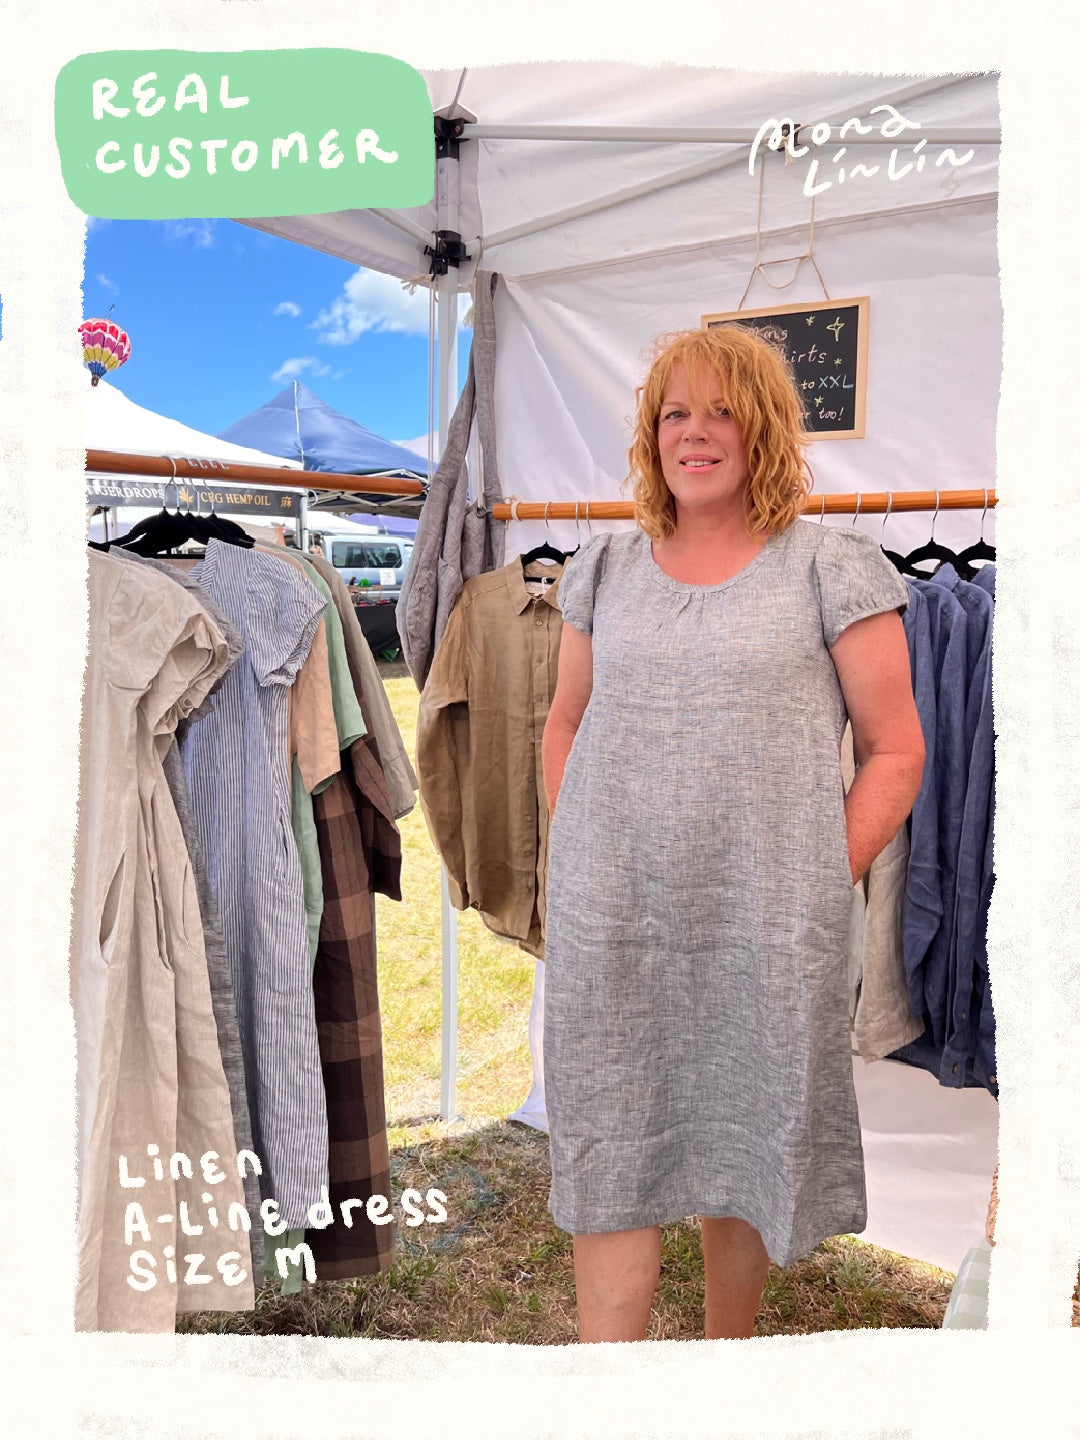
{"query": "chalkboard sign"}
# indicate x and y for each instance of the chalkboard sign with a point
(825, 345)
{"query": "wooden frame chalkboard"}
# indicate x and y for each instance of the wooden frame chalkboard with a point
(826, 346)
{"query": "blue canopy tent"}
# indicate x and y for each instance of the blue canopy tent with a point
(297, 425)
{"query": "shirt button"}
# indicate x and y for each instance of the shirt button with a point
(538, 621)
(964, 1016)
(955, 1069)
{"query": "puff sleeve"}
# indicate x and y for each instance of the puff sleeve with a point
(854, 581)
(580, 581)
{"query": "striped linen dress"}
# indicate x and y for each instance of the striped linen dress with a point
(237, 764)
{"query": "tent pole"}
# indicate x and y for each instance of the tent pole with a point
(404, 224)
(704, 135)
(447, 193)
(302, 538)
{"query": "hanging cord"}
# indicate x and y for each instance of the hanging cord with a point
(759, 264)
(858, 507)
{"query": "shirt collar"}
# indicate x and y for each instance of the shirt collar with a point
(519, 595)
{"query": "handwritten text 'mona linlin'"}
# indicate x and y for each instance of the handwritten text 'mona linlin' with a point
(243, 155)
(783, 134)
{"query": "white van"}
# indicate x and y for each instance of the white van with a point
(363, 557)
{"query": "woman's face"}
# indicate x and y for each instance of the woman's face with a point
(702, 456)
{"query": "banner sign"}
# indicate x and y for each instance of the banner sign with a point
(200, 499)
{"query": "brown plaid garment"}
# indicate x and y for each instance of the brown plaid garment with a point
(360, 848)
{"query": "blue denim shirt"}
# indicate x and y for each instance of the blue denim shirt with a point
(952, 830)
(936, 629)
(969, 929)
(985, 1065)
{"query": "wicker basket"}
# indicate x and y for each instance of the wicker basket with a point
(991, 1221)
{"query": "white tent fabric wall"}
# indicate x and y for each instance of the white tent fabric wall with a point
(572, 346)
(583, 296)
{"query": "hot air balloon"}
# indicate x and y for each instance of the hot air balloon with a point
(105, 347)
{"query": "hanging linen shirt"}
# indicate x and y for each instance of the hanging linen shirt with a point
(969, 925)
(154, 656)
(314, 751)
(481, 722)
(237, 764)
(217, 959)
(937, 648)
(400, 778)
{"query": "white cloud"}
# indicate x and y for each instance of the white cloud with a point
(93, 223)
(200, 231)
(371, 301)
(108, 284)
(287, 307)
(294, 368)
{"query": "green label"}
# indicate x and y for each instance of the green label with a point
(171, 134)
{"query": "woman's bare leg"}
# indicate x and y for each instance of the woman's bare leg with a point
(616, 1276)
(736, 1264)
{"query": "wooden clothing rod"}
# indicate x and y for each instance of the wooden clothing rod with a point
(112, 462)
(876, 503)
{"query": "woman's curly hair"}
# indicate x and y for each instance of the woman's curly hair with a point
(760, 395)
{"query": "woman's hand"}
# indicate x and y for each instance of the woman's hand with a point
(871, 659)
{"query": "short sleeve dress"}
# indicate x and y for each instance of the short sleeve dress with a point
(697, 1053)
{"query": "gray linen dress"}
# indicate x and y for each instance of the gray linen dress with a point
(697, 1053)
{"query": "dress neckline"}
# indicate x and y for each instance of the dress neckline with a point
(671, 583)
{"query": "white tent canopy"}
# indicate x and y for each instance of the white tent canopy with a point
(584, 294)
(114, 422)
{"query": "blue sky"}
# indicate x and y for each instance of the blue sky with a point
(221, 317)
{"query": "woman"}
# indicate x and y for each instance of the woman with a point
(697, 1052)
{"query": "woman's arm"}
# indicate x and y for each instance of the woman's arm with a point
(567, 706)
(871, 659)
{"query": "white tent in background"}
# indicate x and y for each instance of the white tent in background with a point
(113, 422)
(617, 202)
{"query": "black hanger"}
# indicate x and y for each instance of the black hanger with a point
(932, 550)
(981, 550)
(166, 531)
(226, 530)
(547, 551)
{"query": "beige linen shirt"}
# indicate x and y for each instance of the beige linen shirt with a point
(478, 747)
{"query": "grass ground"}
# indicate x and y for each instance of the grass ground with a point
(499, 1270)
